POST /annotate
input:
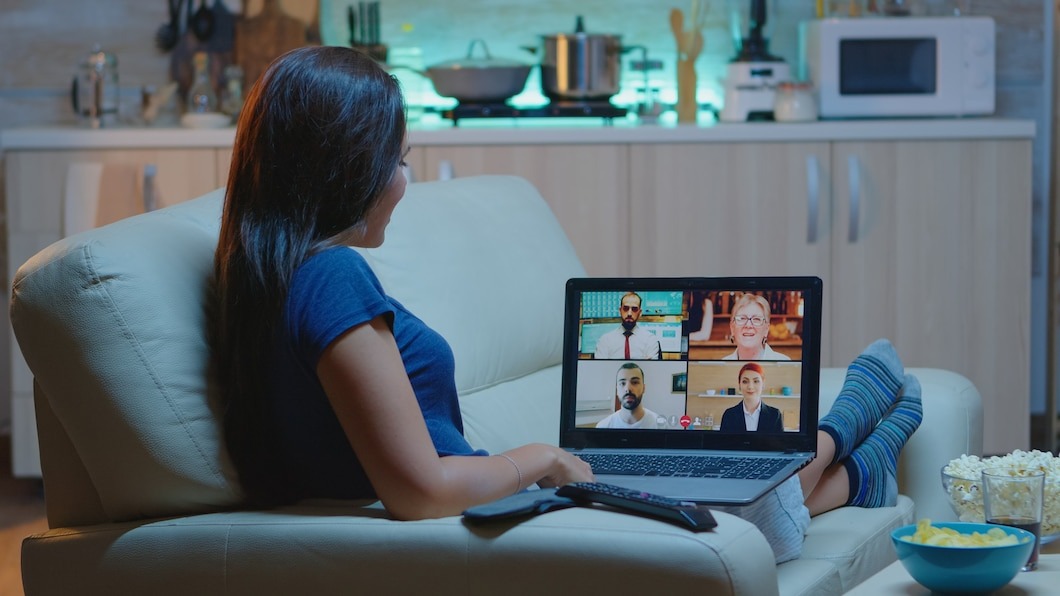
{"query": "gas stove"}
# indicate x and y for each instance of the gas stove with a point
(556, 109)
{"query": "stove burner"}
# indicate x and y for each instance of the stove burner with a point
(556, 109)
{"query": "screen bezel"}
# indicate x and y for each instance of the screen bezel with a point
(804, 439)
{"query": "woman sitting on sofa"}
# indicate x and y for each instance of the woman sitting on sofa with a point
(332, 389)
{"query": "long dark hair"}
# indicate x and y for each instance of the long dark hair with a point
(319, 139)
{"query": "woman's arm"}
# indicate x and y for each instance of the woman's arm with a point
(365, 380)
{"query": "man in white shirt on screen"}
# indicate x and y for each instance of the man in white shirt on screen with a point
(629, 341)
(629, 389)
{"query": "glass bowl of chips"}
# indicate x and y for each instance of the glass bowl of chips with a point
(962, 557)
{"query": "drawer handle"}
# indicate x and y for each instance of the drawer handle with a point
(854, 181)
(445, 170)
(813, 198)
(150, 200)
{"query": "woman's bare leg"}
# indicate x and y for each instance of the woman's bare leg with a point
(824, 484)
(832, 490)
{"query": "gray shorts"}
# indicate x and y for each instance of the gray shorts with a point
(781, 516)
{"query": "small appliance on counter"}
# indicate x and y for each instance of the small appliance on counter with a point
(753, 75)
(888, 67)
(94, 92)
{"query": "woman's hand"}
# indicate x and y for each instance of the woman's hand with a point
(567, 468)
(366, 383)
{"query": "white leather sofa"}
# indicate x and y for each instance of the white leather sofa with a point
(141, 498)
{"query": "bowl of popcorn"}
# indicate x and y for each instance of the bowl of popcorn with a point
(962, 479)
(962, 557)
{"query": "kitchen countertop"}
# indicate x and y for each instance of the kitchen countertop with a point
(432, 130)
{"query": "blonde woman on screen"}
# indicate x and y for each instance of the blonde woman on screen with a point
(748, 329)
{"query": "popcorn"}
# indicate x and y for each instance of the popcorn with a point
(966, 474)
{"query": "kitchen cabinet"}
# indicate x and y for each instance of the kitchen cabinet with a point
(937, 258)
(923, 242)
(730, 209)
(939, 261)
(42, 189)
(585, 185)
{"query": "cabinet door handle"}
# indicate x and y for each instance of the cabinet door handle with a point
(854, 182)
(150, 200)
(445, 170)
(813, 198)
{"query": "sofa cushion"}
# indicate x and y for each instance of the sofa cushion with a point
(337, 547)
(112, 322)
(855, 540)
(494, 261)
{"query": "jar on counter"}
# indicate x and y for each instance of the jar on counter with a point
(794, 102)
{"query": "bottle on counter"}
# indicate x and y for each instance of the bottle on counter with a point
(202, 98)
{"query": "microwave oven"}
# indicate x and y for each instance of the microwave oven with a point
(899, 66)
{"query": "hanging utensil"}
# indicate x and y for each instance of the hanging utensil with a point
(224, 29)
(168, 35)
(202, 22)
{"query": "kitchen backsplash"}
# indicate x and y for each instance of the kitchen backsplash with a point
(43, 41)
(425, 32)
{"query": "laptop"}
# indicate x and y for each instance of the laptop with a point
(672, 407)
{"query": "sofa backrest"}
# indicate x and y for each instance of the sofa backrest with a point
(112, 323)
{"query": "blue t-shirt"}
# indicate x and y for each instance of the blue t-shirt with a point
(332, 292)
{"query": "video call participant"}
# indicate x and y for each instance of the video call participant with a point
(751, 414)
(630, 341)
(629, 389)
(748, 329)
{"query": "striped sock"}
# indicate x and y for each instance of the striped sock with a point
(873, 467)
(872, 383)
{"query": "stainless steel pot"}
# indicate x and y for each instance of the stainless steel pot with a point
(478, 80)
(580, 66)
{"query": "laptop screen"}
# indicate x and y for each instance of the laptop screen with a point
(692, 363)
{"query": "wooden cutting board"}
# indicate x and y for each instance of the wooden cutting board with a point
(263, 37)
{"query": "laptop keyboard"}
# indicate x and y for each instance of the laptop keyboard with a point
(700, 466)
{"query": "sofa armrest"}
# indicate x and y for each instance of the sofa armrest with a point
(952, 426)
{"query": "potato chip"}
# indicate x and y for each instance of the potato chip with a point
(935, 536)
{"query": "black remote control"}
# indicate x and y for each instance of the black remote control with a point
(679, 512)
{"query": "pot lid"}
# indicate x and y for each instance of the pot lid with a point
(478, 62)
(579, 32)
